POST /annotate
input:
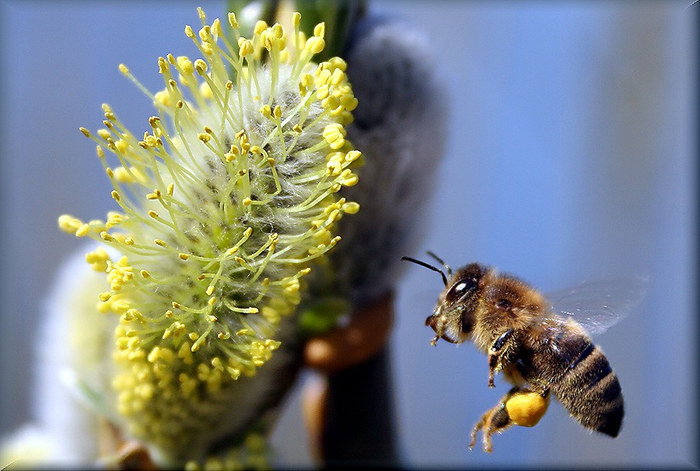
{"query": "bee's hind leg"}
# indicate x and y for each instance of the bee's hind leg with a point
(494, 420)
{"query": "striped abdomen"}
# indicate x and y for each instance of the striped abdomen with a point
(588, 387)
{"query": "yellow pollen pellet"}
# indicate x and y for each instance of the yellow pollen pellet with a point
(526, 408)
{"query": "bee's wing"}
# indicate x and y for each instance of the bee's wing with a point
(598, 305)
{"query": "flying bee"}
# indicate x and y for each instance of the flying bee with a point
(540, 349)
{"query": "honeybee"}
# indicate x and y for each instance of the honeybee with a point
(540, 349)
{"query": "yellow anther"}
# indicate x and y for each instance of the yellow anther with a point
(245, 47)
(334, 134)
(351, 207)
(201, 66)
(83, 230)
(154, 195)
(320, 30)
(232, 20)
(163, 98)
(353, 155)
(260, 26)
(185, 65)
(315, 44)
(205, 90)
(347, 178)
(163, 66)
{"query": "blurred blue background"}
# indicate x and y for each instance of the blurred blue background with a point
(571, 157)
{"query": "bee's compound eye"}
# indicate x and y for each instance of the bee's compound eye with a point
(461, 287)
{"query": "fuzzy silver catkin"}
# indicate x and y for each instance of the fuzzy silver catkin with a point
(401, 126)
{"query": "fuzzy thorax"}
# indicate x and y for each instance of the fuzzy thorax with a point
(223, 202)
(525, 305)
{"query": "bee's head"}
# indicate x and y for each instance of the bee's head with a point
(453, 318)
(454, 315)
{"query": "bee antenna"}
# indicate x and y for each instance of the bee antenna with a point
(428, 266)
(447, 268)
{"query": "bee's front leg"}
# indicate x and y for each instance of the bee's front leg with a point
(496, 354)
